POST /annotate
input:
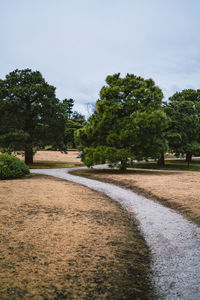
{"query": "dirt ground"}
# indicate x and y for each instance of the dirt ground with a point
(176, 190)
(60, 240)
(56, 156)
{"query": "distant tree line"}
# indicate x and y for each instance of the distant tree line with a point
(130, 122)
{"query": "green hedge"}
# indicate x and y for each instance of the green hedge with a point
(12, 167)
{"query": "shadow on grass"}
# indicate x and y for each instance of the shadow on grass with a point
(179, 165)
(53, 165)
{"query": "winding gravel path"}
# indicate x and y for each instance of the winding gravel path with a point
(174, 242)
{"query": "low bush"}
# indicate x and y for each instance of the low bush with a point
(12, 167)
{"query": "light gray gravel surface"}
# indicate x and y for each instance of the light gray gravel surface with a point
(174, 241)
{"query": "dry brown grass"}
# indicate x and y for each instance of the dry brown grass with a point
(70, 157)
(60, 240)
(56, 156)
(176, 190)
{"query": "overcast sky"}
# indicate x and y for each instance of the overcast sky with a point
(75, 44)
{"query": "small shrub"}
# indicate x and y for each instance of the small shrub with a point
(12, 167)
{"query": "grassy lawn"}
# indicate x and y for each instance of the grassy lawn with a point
(170, 165)
(60, 240)
(179, 191)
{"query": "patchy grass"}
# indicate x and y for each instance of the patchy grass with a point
(179, 191)
(60, 240)
(180, 165)
(55, 159)
(53, 165)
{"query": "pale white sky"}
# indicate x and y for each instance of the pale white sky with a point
(75, 44)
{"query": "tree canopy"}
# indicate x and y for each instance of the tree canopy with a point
(186, 95)
(30, 114)
(74, 122)
(128, 123)
(183, 110)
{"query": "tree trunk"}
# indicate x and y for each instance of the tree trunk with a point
(29, 155)
(28, 129)
(123, 165)
(161, 160)
(188, 158)
(73, 145)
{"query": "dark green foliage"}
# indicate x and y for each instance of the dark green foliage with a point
(187, 95)
(69, 103)
(183, 134)
(128, 123)
(11, 167)
(31, 116)
(74, 122)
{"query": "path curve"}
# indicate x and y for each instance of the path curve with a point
(174, 241)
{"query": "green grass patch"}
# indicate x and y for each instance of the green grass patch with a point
(175, 165)
(49, 148)
(53, 165)
(179, 165)
(89, 173)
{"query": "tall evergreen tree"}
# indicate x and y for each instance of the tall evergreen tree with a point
(30, 114)
(183, 110)
(128, 123)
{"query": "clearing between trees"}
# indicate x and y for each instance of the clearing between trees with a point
(176, 190)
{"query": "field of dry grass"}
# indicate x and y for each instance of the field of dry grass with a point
(70, 157)
(54, 159)
(55, 156)
(176, 190)
(60, 240)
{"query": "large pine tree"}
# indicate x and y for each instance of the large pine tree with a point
(128, 123)
(30, 114)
